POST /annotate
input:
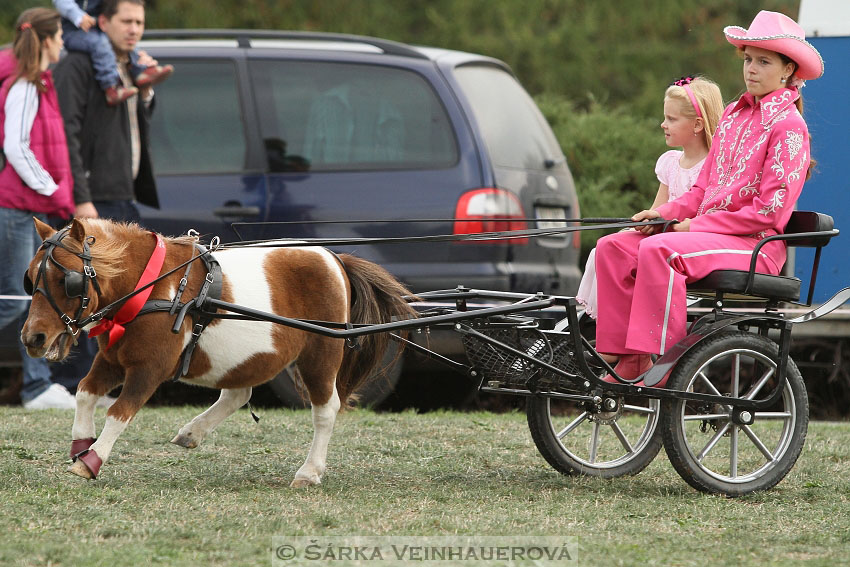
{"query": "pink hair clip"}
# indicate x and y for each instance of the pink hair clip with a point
(684, 82)
(26, 26)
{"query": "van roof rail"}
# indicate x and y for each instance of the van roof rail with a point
(244, 37)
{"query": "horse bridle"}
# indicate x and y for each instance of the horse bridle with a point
(76, 282)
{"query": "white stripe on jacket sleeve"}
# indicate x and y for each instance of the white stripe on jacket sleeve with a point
(21, 108)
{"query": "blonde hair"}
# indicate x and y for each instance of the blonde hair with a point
(709, 99)
(32, 28)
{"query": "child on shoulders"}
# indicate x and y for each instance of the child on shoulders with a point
(81, 33)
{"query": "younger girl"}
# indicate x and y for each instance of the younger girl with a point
(36, 180)
(692, 107)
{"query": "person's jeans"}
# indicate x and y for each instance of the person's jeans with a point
(70, 371)
(18, 244)
(97, 45)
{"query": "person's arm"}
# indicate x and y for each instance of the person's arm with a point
(72, 83)
(69, 10)
(662, 196)
(782, 177)
(21, 108)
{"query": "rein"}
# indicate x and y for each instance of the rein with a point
(76, 283)
(610, 223)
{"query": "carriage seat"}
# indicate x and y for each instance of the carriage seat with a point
(806, 229)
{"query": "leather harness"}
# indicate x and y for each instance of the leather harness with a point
(201, 316)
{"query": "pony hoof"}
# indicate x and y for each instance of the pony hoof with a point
(185, 441)
(301, 482)
(79, 468)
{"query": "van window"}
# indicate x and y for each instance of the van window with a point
(515, 132)
(197, 123)
(321, 116)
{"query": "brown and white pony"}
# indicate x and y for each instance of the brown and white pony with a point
(231, 355)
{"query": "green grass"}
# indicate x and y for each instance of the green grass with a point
(432, 474)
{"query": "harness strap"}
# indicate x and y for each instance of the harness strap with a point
(114, 327)
(211, 289)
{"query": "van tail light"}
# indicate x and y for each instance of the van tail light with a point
(490, 210)
(576, 233)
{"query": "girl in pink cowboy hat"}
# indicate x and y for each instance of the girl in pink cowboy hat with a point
(746, 191)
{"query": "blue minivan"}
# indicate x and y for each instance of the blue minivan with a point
(266, 134)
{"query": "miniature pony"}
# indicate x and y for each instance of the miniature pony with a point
(94, 262)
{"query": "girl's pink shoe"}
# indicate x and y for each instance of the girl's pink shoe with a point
(630, 366)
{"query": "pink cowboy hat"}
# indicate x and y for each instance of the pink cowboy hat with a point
(777, 32)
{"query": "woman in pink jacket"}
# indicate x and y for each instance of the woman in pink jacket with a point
(36, 180)
(747, 189)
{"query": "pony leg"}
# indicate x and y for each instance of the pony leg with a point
(99, 381)
(138, 388)
(230, 400)
(324, 417)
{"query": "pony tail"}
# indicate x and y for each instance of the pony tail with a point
(33, 27)
(376, 297)
(812, 162)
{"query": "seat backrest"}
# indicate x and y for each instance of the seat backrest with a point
(809, 221)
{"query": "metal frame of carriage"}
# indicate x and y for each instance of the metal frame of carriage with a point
(532, 345)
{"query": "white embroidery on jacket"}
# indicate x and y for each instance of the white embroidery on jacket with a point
(775, 203)
(752, 188)
(795, 143)
(722, 206)
(794, 176)
(773, 105)
(778, 168)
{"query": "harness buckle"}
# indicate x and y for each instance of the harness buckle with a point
(197, 330)
(89, 271)
(66, 319)
(209, 278)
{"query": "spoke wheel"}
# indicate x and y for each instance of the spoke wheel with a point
(708, 449)
(575, 439)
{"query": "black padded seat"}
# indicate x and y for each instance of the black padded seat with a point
(733, 284)
(805, 228)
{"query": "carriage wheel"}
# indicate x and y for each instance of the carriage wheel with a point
(577, 439)
(710, 451)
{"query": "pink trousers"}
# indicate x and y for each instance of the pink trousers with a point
(641, 283)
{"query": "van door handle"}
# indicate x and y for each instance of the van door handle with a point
(236, 211)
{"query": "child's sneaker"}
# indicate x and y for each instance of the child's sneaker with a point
(54, 397)
(153, 75)
(119, 93)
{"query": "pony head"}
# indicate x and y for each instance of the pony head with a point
(64, 288)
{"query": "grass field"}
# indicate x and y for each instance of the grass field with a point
(434, 474)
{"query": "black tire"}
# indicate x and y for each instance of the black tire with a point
(709, 452)
(577, 441)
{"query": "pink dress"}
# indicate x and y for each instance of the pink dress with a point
(746, 191)
(678, 181)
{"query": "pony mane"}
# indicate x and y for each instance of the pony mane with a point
(111, 239)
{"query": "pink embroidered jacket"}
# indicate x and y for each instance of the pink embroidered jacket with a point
(754, 172)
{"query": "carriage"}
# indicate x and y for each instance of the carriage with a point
(732, 416)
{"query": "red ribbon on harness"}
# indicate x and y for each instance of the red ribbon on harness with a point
(115, 327)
